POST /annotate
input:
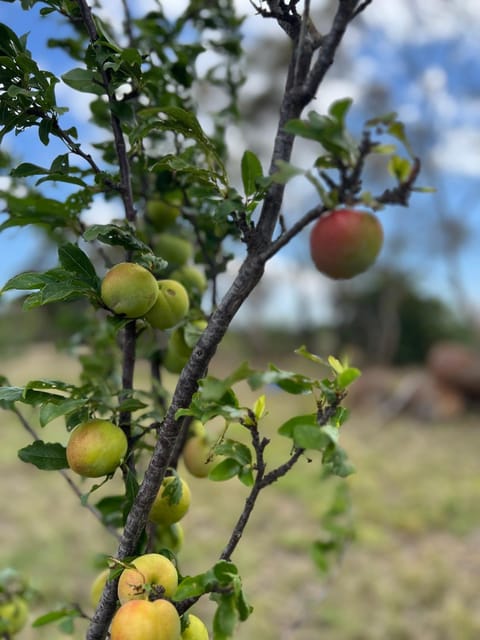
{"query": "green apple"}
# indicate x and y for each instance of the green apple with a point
(175, 250)
(192, 278)
(196, 428)
(144, 620)
(178, 349)
(171, 306)
(150, 574)
(195, 629)
(97, 586)
(173, 362)
(198, 456)
(13, 615)
(129, 289)
(96, 448)
(345, 242)
(162, 214)
(170, 537)
(165, 510)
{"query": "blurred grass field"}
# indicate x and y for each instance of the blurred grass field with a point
(412, 571)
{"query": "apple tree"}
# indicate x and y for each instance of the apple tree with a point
(147, 281)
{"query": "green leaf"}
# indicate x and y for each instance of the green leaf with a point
(55, 616)
(178, 120)
(288, 428)
(114, 235)
(11, 394)
(400, 168)
(48, 456)
(339, 109)
(310, 437)
(112, 509)
(335, 460)
(173, 490)
(225, 571)
(194, 586)
(243, 607)
(35, 209)
(288, 381)
(26, 169)
(236, 450)
(259, 407)
(345, 379)
(84, 80)
(305, 353)
(46, 383)
(225, 618)
(63, 289)
(251, 171)
(25, 281)
(50, 411)
(26, 395)
(76, 261)
(228, 468)
(286, 171)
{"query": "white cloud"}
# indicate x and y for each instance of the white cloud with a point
(289, 295)
(409, 20)
(103, 212)
(458, 151)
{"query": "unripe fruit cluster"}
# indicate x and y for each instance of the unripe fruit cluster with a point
(144, 590)
(130, 290)
(345, 242)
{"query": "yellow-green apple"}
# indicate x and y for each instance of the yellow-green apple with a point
(164, 509)
(162, 213)
(174, 362)
(13, 615)
(151, 573)
(96, 448)
(169, 536)
(345, 242)
(145, 620)
(192, 278)
(97, 586)
(195, 629)
(171, 305)
(198, 456)
(175, 250)
(178, 351)
(129, 289)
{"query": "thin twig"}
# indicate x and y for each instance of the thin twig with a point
(119, 139)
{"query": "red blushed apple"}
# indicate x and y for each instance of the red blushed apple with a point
(144, 620)
(345, 242)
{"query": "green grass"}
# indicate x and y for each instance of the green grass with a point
(410, 573)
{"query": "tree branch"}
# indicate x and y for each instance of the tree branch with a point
(119, 139)
(345, 13)
(247, 278)
(249, 275)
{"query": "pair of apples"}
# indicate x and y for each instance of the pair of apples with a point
(146, 612)
(130, 290)
(97, 447)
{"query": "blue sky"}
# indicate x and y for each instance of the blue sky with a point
(427, 58)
